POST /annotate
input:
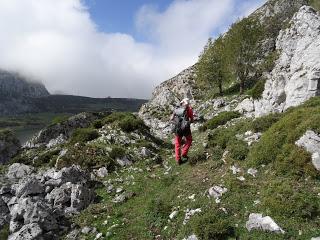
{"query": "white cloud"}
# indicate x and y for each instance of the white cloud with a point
(57, 42)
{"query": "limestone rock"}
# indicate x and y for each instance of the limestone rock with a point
(256, 221)
(296, 75)
(311, 142)
(191, 237)
(58, 133)
(19, 170)
(30, 186)
(27, 232)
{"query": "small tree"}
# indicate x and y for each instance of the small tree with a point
(243, 48)
(211, 65)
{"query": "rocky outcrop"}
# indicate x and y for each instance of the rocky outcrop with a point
(311, 142)
(9, 145)
(37, 206)
(13, 85)
(165, 97)
(60, 132)
(296, 75)
(257, 222)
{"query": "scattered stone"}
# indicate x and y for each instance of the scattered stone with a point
(29, 186)
(173, 215)
(119, 190)
(98, 236)
(27, 232)
(192, 197)
(145, 152)
(189, 214)
(192, 237)
(256, 221)
(101, 172)
(217, 192)
(241, 178)
(253, 172)
(85, 230)
(124, 161)
(311, 142)
(235, 170)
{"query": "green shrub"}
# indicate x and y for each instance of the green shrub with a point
(257, 90)
(158, 210)
(197, 157)
(221, 119)
(264, 123)
(213, 224)
(83, 135)
(131, 123)
(46, 157)
(238, 150)
(117, 152)
(299, 202)
(220, 137)
(97, 124)
(113, 117)
(59, 119)
(88, 157)
(216, 153)
(294, 161)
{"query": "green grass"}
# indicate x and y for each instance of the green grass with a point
(83, 135)
(277, 143)
(220, 119)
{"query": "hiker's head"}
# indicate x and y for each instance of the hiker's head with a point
(185, 102)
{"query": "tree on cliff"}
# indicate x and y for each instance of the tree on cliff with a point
(211, 70)
(242, 46)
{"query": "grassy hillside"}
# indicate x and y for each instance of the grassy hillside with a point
(286, 185)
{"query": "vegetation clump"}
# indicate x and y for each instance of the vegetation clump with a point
(220, 119)
(83, 135)
(277, 144)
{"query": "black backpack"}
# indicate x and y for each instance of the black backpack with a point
(182, 123)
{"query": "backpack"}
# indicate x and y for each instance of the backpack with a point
(182, 123)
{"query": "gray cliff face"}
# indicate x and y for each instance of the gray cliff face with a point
(155, 113)
(296, 75)
(16, 92)
(13, 85)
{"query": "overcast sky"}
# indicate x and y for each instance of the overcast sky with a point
(118, 48)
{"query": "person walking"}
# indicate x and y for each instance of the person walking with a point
(182, 117)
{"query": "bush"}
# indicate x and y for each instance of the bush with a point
(131, 123)
(299, 202)
(221, 119)
(87, 157)
(197, 157)
(97, 124)
(264, 123)
(238, 150)
(4, 232)
(47, 157)
(217, 153)
(113, 117)
(117, 152)
(213, 224)
(83, 135)
(220, 137)
(294, 161)
(158, 211)
(257, 90)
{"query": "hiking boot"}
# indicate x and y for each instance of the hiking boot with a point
(185, 158)
(179, 162)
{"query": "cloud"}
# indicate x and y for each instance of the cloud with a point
(57, 42)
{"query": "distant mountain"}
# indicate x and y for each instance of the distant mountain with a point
(18, 95)
(13, 85)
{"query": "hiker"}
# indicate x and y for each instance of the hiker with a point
(182, 117)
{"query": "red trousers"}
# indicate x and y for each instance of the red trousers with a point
(185, 147)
